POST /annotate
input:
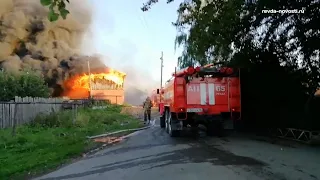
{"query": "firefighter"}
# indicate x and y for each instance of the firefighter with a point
(147, 104)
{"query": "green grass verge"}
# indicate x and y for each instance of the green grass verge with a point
(53, 139)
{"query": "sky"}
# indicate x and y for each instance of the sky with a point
(124, 35)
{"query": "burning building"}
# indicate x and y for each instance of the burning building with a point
(54, 50)
(101, 84)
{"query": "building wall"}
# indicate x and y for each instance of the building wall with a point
(116, 96)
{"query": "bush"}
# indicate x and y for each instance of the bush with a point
(22, 84)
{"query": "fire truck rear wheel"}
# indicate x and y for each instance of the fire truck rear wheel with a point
(215, 128)
(171, 131)
(166, 121)
(162, 122)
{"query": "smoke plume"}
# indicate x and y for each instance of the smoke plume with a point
(29, 41)
(138, 85)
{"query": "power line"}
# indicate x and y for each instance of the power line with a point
(147, 28)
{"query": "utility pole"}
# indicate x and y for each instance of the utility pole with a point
(160, 90)
(161, 58)
(90, 94)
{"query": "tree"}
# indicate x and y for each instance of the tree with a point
(56, 8)
(278, 51)
(238, 31)
(24, 84)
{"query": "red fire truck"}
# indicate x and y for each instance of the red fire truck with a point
(208, 95)
(155, 98)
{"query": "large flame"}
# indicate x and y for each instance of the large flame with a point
(78, 87)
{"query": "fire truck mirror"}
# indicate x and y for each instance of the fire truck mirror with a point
(158, 91)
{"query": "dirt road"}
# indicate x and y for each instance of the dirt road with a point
(152, 154)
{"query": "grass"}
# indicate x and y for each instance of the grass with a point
(53, 139)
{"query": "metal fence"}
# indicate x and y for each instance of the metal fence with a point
(24, 110)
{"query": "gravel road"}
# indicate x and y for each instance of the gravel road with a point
(152, 154)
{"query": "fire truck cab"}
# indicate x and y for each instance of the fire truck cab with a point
(208, 95)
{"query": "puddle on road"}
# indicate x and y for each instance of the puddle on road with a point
(195, 153)
(200, 154)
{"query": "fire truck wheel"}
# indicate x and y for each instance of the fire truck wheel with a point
(210, 129)
(171, 131)
(215, 128)
(166, 121)
(162, 122)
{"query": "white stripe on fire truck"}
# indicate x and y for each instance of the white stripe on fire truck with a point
(211, 89)
(203, 93)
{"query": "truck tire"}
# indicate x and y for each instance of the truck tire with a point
(162, 122)
(171, 131)
(166, 121)
(215, 128)
(210, 129)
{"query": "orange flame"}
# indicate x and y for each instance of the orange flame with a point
(78, 87)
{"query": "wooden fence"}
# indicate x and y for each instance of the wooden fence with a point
(26, 109)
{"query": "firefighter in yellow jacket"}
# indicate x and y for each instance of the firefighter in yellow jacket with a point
(147, 104)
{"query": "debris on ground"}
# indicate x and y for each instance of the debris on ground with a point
(105, 142)
(108, 140)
